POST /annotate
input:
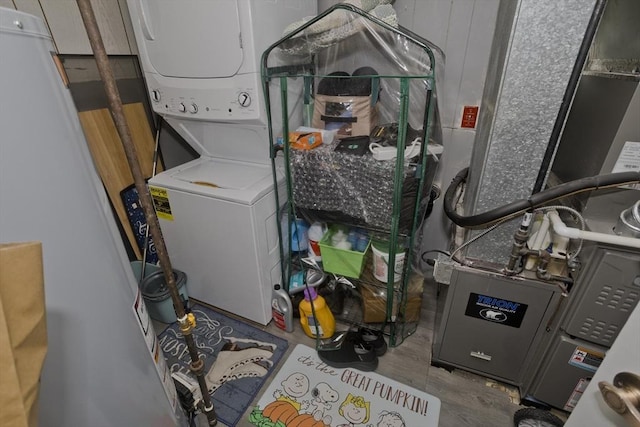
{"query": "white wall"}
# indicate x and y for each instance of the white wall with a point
(463, 29)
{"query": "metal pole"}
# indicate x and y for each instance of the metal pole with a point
(186, 322)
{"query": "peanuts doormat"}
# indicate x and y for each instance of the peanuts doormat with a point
(308, 393)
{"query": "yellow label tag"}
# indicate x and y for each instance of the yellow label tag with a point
(160, 198)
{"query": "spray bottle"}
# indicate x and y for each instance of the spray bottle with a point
(323, 324)
(281, 309)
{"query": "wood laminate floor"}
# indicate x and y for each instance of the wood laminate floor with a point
(468, 400)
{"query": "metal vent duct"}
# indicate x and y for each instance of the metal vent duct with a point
(535, 47)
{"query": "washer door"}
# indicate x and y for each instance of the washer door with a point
(229, 175)
(238, 182)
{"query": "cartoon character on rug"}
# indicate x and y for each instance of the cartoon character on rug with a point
(390, 419)
(239, 358)
(295, 386)
(323, 397)
(287, 409)
(355, 410)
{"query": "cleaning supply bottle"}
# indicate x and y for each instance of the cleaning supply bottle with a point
(338, 237)
(281, 309)
(323, 324)
(316, 231)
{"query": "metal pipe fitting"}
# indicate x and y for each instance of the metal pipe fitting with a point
(520, 238)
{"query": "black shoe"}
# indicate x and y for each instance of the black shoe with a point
(362, 86)
(352, 353)
(374, 338)
(335, 84)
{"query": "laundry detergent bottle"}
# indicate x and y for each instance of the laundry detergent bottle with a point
(323, 324)
(281, 309)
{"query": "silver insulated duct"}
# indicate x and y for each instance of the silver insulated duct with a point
(535, 49)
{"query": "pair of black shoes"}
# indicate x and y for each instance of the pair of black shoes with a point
(354, 349)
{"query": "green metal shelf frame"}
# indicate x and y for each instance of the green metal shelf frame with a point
(397, 332)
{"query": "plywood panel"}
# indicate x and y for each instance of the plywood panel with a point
(67, 28)
(110, 159)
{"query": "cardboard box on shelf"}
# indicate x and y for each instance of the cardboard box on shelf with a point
(374, 299)
(305, 140)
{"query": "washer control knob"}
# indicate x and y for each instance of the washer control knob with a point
(244, 99)
(193, 108)
(155, 95)
(182, 108)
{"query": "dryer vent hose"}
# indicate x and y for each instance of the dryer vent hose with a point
(518, 207)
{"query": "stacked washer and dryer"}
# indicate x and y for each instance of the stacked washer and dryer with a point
(201, 63)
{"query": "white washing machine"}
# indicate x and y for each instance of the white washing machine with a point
(201, 62)
(218, 218)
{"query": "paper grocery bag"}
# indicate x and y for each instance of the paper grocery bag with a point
(23, 332)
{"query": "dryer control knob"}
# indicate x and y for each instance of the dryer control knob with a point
(193, 108)
(182, 108)
(155, 95)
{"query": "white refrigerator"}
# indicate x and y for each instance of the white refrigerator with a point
(99, 369)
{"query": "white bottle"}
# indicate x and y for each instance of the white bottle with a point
(338, 237)
(281, 309)
(315, 233)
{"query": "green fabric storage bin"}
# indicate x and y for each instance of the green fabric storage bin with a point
(341, 261)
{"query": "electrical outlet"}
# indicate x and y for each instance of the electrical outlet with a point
(469, 116)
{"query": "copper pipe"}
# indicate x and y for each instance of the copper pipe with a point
(117, 113)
